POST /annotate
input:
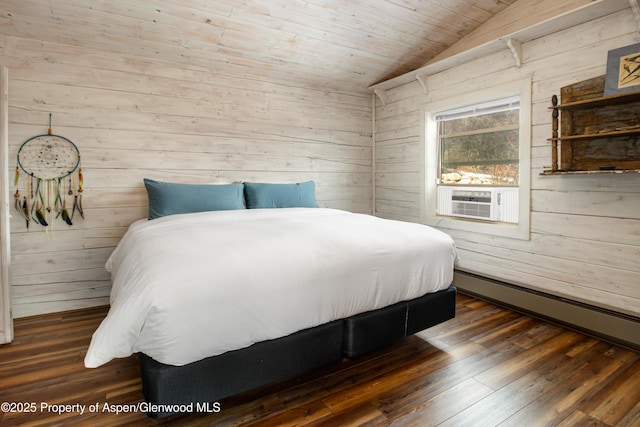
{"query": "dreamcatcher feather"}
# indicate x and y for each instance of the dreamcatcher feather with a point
(53, 175)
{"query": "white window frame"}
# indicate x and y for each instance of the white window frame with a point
(521, 230)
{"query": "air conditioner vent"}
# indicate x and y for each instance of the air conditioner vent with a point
(488, 204)
(472, 209)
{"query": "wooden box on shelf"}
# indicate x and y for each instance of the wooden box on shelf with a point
(597, 134)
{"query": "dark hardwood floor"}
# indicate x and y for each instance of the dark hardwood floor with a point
(487, 367)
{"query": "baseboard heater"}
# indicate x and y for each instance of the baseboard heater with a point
(610, 325)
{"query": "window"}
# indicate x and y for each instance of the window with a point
(477, 173)
(478, 144)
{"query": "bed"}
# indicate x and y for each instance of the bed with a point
(260, 285)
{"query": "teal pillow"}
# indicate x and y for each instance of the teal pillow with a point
(259, 195)
(167, 198)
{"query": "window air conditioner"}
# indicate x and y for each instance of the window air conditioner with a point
(488, 204)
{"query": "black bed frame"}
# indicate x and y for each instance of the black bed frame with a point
(212, 379)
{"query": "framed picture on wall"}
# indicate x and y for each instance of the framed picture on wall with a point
(623, 70)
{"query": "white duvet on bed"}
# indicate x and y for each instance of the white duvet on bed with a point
(190, 286)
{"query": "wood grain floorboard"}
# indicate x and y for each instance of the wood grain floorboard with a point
(489, 366)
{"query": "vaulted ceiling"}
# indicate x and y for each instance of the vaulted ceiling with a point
(340, 44)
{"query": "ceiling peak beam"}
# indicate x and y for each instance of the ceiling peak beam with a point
(523, 21)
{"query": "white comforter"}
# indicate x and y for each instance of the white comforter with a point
(190, 286)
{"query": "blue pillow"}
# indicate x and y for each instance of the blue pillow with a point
(166, 198)
(301, 195)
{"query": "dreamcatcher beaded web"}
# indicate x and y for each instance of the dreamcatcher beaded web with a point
(54, 174)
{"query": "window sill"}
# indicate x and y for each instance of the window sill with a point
(502, 229)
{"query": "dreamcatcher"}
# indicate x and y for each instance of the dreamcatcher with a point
(54, 174)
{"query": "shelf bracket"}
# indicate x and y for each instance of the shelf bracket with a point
(382, 94)
(515, 47)
(422, 78)
(635, 7)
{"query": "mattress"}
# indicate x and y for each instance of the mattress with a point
(190, 286)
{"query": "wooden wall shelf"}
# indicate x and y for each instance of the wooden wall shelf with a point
(608, 134)
(599, 172)
(592, 133)
(600, 101)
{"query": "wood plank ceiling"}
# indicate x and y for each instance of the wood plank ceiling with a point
(343, 45)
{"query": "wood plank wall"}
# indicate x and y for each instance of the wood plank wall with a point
(585, 230)
(133, 116)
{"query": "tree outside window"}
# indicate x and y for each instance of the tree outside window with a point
(479, 144)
